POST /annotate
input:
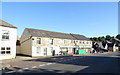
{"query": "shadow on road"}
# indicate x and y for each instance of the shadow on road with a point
(96, 64)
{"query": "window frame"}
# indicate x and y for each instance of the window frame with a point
(6, 51)
(38, 50)
(5, 36)
(38, 41)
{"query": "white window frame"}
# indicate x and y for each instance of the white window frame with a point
(38, 40)
(6, 36)
(38, 50)
(6, 49)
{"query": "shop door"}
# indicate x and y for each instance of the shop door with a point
(74, 50)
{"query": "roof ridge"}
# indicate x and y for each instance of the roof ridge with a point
(46, 31)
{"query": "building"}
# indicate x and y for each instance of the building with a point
(34, 42)
(8, 35)
(116, 44)
(18, 45)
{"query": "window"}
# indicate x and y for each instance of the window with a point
(45, 51)
(51, 41)
(5, 35)
(2, 48)
(87, 42)
(71, 41)
(90, 42)
(5, 50)
(38, 51)
(38, 40)
(83, 42)
(80, 42)
(76, 41)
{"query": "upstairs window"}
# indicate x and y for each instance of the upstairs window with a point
(83, 42)
(80, 42)
(38, 40)
(5, 35)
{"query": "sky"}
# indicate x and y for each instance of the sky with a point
(91, 19)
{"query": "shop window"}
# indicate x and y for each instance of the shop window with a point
(5, 35)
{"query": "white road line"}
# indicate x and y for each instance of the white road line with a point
(10, 72)
(34, 67)
(25, 68)
(49, 63)
(42, 65)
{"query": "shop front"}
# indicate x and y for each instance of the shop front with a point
(64, 51)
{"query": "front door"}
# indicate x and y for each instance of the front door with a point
(74, 50)
(45, 51)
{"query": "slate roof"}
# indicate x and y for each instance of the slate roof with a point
(5, 24)
(51, 34)
(80, 37)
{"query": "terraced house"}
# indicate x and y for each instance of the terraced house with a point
(36, 42)
(8, 35)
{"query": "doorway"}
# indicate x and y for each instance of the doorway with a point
(45, 51)
(74, 50)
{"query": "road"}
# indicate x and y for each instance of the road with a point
(92, 63)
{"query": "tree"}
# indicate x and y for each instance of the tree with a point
(100, 39)
(95, 39)
(108, 37)
(118, 36)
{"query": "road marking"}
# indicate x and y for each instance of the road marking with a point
(42, 65)
(34, 67)
(48, 63)
(10, 72)
(25, 68)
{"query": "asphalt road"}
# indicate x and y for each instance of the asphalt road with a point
(94, 63)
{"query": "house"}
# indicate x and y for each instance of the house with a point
(84, 43)
(8, 35)
(34, 42)
(116, 44)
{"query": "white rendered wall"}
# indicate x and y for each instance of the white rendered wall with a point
(9, 43)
